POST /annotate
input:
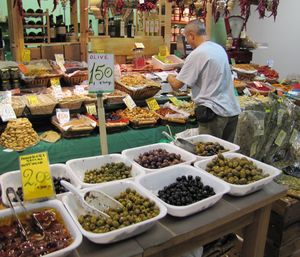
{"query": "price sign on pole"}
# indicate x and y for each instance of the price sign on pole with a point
(101, 73)
(36, 176)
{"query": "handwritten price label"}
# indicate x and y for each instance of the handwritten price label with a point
(7, 112)
(63, 115)
(91, 109)
(175, 101)
(101, 73)
(152, 104)
(26, 55)
(36, 176)
(33, 100)
(129, 102)
(55, 82)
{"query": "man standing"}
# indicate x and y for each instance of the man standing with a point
(206, 70)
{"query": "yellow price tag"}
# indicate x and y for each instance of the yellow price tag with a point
(55, 82)
(152, 104)
(175, 101)
(36, 176)
(91, 109)
(33, 100)
(26, 55)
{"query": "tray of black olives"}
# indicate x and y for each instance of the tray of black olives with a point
(58, 171)
(157, 157)
(207, 146)
(95, 170)
(140, 211)
(184, 190)
(243, 174)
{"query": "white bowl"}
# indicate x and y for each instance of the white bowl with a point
(133, 153)
(208, 138)
(113, 189)
(79, 166)
(67, 220)
(13, 179)
(158, 180)
(240, 190)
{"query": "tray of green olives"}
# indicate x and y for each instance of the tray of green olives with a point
(243, 174)
(139, 213)
(91, 171)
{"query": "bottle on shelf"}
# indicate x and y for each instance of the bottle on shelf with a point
(101, 27)
(119, 26)
(130, 29)
(61, 30)
(147, 26)
(52, 29)
(91, 31)
(111, 27)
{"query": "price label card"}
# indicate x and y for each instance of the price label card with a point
(32, 100)
(152, 104)
(247, 92)
(36, 176)
(59, 58)
(101, 73)
(63, 115)
(129, 102)
(57, 92)
(232, 60)
(26, 55)
(91, 109)
(55, 82)
(79, 90)
(174, 100)
(7, 112)
(5, 97)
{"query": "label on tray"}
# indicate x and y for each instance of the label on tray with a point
(174, 100)
(79, 90)
(26, 55)
(152, 104)
(91, 109)
(55, 82)
(57, 92)
(33, 100)
(247, 92)
(280, 138)
(7, 112)
(5, 97)
(36, 176)
(63, 115)
(101, 73)
(129, 102)
(60, 60)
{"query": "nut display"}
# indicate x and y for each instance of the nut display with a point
(136, 209)
(158, 158)
(138, 114)
(59, 189)
(238, 171)
(185, 190)
(109, 172)
(19, 135)
(209, 148)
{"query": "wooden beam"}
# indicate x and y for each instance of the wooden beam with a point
(15, 31)
(167, 22)
(84, 27)
(74, 17)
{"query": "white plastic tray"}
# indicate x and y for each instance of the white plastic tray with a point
(133, 153)
(79, 166)
(240, 190)
(156, 181)
(13, 179)
(113, 189)
(177, 62)
(71, 227)
(208, 138)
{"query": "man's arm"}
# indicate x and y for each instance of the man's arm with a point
(175, 83)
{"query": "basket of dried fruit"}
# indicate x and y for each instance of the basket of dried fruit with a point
(139, 117)
(78, 126)
(73, 102)
(40, 104)
(245, 71)
(137, 86)
(18, 105)
(168, 115)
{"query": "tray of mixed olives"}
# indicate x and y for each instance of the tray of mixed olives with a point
(207, 146)
(59, 172)
(184, 190)
(59, 235)
(103, 169)
(139, 211)
(157, 157)
(244, 175)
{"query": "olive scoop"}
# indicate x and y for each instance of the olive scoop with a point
(182, 143)
(94, 201)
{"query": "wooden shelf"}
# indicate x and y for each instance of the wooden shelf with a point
(35, 14)
(179, 22)
(53, 43)
(35, 37)
(35, 26)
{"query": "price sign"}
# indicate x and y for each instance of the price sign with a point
(79, 90)
(174, 100)
(232, 60)
(33, 100)
(247, 92)
(5, 97)
(36, 176)
(129, 102)
(60, 60)
(57, 92)
(7, 112)
(91, 109)
(101, 73)
(26, 55)
(55, 82)
(152, 104)
(63, 115)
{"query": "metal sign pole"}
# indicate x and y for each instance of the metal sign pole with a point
(102, 127)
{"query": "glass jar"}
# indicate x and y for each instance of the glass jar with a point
(4, 74)
(14, 73)
(138, 58)
(15, 84)
(6, 85)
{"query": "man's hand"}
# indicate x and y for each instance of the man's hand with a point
(175, 83)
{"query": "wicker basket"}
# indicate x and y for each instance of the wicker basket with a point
(142, 94)
(46, 105)
(75, 79)
(71, 104)
(42, 81)
(18, 105)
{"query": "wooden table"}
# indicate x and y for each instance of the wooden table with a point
(173, 237)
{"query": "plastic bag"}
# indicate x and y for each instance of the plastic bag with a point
(187, 133)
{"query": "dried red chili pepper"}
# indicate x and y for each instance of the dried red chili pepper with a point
(261, 8)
